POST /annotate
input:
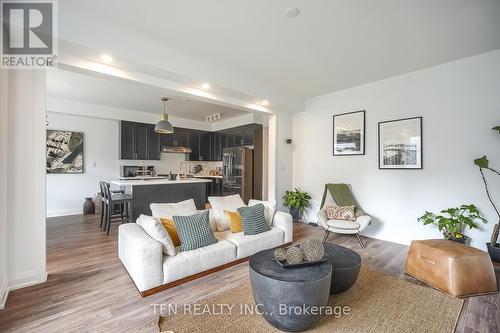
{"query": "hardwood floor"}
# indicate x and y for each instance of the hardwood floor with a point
(88, 290)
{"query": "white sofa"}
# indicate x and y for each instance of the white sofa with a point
(152, 271)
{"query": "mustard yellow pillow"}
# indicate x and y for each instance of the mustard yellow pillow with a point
(235, 222)
(172, 231)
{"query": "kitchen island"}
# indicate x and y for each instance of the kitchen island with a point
(145, 192)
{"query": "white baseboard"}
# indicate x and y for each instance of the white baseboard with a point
(26, 279)
(65, 212)
(4, 292)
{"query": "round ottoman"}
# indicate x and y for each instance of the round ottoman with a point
(346, 265)
(285, 294)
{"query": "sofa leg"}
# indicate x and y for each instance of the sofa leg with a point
(327, 233)
(360, 241)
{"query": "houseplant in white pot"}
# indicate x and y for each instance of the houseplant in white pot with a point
(296, 201)
(483, 164)
(452, 222)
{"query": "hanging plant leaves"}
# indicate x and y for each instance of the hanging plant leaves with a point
(482, 162)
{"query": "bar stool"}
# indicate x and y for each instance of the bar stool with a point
(111, 200)
(104, 203)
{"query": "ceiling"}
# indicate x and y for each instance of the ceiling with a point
(129, 95)
(331, 45)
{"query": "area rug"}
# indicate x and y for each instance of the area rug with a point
(377, 303)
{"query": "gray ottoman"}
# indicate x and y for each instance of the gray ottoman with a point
(283, 292)
(346, 265)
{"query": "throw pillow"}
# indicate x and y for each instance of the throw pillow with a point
(346, 213)
(235, 223)
(194, 231)
(269, 209)
(167, 210)
(172, 231)
(254, 220)
(155, 230)
(220, 204)
(330, 212)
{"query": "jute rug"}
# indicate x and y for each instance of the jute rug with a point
(377, 302)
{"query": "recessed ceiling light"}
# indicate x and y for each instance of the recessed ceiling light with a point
(265, 102)
(106, 58)
(205, 85)
(291, 12)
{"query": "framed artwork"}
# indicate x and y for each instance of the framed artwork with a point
(400, 144)
(64, 152)
(349, 133)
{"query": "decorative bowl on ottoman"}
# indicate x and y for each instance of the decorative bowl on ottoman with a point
(287, 296)
(451, 267)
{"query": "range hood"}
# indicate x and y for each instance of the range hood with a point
(176, 150)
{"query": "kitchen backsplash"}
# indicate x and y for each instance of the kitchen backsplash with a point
(172, 162)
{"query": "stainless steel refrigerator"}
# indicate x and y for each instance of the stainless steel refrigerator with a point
(238, 172)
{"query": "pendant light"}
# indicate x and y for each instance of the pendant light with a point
(164, 126)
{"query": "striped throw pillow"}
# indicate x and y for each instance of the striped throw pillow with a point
(254, 220)
(194, 231)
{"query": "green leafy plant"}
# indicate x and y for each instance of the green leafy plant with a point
(297, 199)
(451, 222)
(484, 164)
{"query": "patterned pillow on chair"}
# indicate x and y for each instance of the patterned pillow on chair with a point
(346, 213)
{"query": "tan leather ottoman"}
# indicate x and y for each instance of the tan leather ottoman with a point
(453, 268)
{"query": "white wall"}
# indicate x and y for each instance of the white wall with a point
(280, 157)
(26, 178)
(4, 91)
(66, 192)
(459, 102)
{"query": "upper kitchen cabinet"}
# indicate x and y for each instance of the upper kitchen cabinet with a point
(205, 146)
(242, 136)
(138, 141)
(194, 144)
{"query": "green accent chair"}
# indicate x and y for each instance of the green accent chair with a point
(341, 195)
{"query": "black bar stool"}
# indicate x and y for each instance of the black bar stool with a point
(112, 200)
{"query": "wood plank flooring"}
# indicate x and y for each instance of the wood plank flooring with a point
(88, 289)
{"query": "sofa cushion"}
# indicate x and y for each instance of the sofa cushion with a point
(251, 244)
(191, 262)
(168, 210)
(194, 231)
(270, 208)
(220, 204)
(254, 220)
(157, 231)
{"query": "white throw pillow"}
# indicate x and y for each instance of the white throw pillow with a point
(269, 209)
(157, 231)
(220, 204)
(167, 210)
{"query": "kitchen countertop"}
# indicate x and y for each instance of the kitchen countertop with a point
(207, 176)
(134, 182)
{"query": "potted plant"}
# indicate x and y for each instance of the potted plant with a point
(296, 201)
(451, 222)
(493, 246)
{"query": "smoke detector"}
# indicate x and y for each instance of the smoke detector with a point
(291, 12)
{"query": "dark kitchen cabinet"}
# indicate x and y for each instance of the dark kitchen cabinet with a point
(138, 141)
(218, 144)
(248, 135)
(194, 144)
(141, 142)
(181, 137)
(153, 144)
(127, 141)
(205, 146)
